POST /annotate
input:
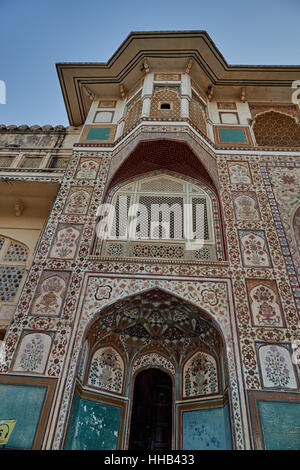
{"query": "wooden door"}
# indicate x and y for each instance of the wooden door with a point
(151, 419)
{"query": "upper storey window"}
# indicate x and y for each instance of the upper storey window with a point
(162, 217)
(13, 257)
(166, 102)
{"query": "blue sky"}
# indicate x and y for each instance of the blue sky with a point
(35, 34)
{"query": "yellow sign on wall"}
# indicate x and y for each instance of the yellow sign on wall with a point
(6, 428)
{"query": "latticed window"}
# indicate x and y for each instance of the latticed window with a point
(13, 257)
(31, 162)
(162, 216)
(133, 112)
(197, 113)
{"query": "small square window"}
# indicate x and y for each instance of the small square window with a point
(165, 106)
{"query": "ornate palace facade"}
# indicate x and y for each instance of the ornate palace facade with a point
(105, 305)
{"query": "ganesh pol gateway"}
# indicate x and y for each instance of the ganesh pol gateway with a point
(150, 256)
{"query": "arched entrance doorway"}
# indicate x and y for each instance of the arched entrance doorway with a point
(151, 417)
(152, 347)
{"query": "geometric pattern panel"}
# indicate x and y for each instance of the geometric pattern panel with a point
(16, 252)
(153, 359)
(10, 278)
(272, 128)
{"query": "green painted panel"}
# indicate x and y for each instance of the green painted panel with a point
(98, 133)
(93, 426)
(23, 403)
(280, 425)
(206, 429)
(233, 135)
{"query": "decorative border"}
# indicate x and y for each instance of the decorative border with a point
(284, 245)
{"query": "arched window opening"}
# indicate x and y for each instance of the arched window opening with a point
(162, 216)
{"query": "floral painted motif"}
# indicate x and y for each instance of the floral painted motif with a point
(33, 353)
(87, 169)
(78, 202)
(265, 307)
(254, 248)
(103, 292)
(246, 206)
(200, 376)
(239, 173)
(277, 368)
(65, 243)
(107, 370)
(51, 296)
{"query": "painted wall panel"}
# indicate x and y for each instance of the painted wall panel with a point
(93, 426)
(280, 423)
(206, 429)
(23, 403)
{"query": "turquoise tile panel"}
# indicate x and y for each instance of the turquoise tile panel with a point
(233, 135)
(23, 403)
(280, 425)
(101, 133)
(206, 429)
(93, 426)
